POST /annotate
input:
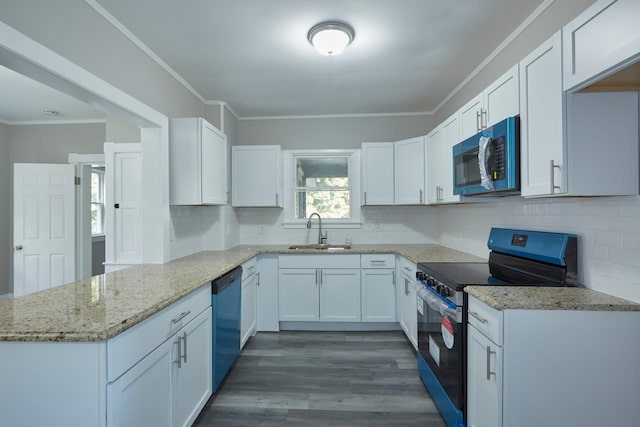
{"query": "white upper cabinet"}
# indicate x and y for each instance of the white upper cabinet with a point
(256, 172)
(567, 146)
(502, 98)
(377, 173)
(439, 160)
(542, 120)
(602, 39)
(498, 101)
(409, 171)
(198, 163)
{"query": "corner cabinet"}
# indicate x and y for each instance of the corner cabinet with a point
(256, 172)
(377, 173)
(409, 171)
(439, 161)
(198, 160)
(566, 144)
(602, 38)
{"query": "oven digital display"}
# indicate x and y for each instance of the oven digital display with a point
(519, 240)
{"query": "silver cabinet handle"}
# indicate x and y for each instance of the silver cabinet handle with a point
(181, 316)
(477, 316)
(478, 121)
(317, 280)
(365, 197)
(489, 353)
(484, 123)
(18, 247)
(378, 261)
(184, 341)
(258, 278)
(420, 196)
(407, 269)
(406, 286)
(276, 199)
(320, 277)
(393, 279)
(179, 361)
(552, 177)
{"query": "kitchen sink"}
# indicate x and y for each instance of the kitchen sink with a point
(323, 246)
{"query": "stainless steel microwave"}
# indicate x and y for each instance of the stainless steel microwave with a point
(489, 162)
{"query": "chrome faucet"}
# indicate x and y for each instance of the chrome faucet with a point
(322, 238)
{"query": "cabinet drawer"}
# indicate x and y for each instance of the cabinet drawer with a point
(249, 267)
(485, 319)
(129, 347)
(378, 261)
(320, 261)
(407, 267)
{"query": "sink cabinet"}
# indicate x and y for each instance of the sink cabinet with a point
(323, 288)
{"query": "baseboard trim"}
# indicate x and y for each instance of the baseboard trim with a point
(339, 326)
(6, 296)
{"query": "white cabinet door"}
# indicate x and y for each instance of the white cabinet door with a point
(256, 175)
(378, 295)
(450, 137)
(198, 163)
(434, 159)
(409, 171)
(601, 39)
(249, 307)
(484, 382)
(298, 294)
(501, 98)
(377, 173)
(470, 117)
(542, 120)
(192, 376)
(267, 294)
(143, 395)
(214, 165)
(339, 295)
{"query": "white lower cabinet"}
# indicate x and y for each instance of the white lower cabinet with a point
(311, 289)
(248, 300)
(532, 368)
(378, 287)
(267, 294)
(406, 295)
(170, 385)
(484, 387)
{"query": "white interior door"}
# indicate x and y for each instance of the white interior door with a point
(43, 226)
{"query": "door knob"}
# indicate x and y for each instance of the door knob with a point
(18, 247)
(117, 206)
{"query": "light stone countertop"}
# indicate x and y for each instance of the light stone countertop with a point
(549, 298)
(103, 306)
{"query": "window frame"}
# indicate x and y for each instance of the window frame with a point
(101, 203)
(353, 159)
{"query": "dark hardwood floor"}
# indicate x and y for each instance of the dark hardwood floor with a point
(323, 379)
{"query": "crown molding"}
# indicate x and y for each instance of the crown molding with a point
(340, 116)
(53, 122)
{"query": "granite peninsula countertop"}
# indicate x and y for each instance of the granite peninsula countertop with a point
(549, 298)
(103, 306)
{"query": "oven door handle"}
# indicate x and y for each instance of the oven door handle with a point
(440, 306)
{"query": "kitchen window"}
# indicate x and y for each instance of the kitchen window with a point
(97, 202)
(322, 181)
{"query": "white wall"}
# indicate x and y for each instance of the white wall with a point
(6, 235)
(608, 230)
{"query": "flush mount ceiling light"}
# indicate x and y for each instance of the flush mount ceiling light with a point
(331, 37)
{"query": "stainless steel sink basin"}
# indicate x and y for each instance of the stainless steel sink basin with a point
(324, 246)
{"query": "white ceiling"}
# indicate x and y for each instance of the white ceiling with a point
(407, 56)
(24, 100)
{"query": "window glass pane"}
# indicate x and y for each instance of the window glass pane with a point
(331, 204)
(95, 187)
(96, 227)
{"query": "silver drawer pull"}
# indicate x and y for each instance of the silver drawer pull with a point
(477, 316)
(378, 261)
(182, 316)
(407, 269)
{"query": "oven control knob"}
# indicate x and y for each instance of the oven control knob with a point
(432, 282)
(445, 292)
(421, 275)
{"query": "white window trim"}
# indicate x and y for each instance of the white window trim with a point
(101, 174)
(289, 221)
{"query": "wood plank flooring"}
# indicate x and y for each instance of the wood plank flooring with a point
(323, 379)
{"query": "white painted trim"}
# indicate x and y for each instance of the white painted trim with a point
(86, 159)
(339, 116)
(223, 104)
(502, 46)
(54, 122)
(6, 296)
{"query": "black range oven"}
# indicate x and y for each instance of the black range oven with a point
(517, 258)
